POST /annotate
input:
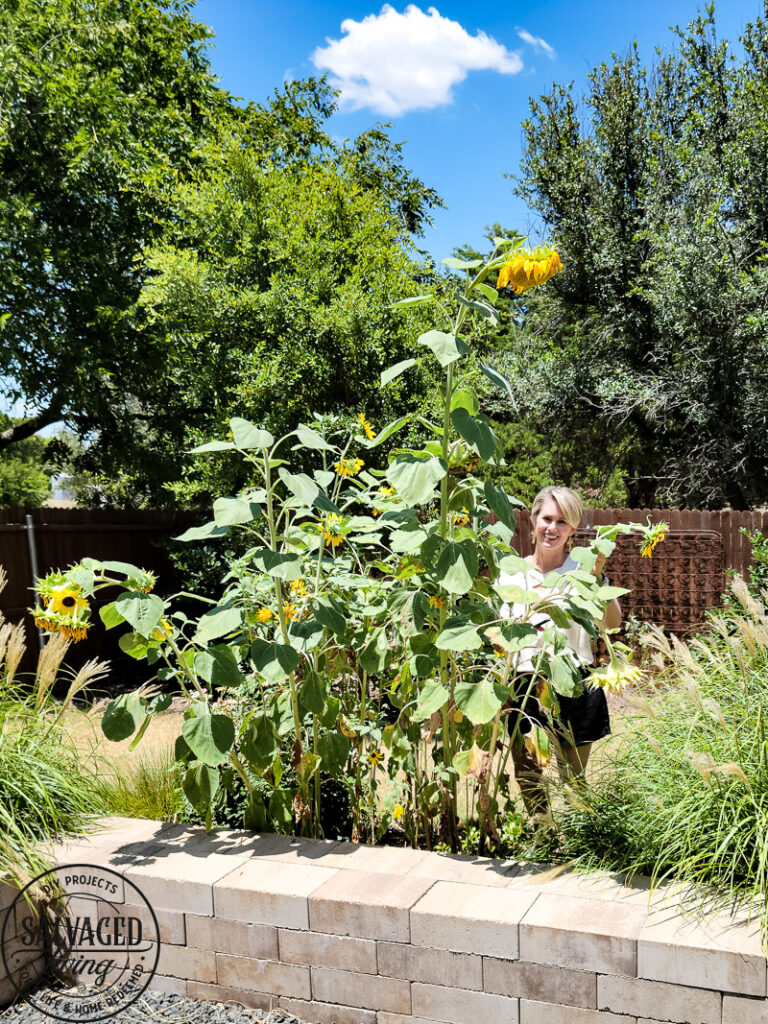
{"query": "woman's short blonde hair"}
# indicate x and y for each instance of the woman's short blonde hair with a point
(568, 502)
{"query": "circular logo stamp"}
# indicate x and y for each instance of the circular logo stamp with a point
(80, 942)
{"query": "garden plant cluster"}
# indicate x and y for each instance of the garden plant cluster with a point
(360, 638)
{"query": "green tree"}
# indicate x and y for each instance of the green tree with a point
(100, 105)
(25, 477)
(274, 278)
(652, 343)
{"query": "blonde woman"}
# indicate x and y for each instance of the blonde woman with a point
(556, 513)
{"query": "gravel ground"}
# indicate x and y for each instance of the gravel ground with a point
(162, 1008)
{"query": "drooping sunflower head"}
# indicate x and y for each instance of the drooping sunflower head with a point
(65, 606)
(652, 538)
(528, 267)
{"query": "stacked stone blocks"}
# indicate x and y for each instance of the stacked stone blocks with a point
(334, 932)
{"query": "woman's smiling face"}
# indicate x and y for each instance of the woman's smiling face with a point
(551, 529)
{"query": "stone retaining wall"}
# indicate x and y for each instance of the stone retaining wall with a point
(380, 935)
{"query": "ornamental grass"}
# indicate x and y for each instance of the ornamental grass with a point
(45, 790)
(685, 795)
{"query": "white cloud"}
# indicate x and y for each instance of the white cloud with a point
(537, 43)
(395, 62)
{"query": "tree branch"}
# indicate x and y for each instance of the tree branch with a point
(21, 431)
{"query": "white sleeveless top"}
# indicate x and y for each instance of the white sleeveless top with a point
(576, 636)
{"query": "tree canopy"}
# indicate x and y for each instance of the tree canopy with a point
(652, 346)
(101, 104)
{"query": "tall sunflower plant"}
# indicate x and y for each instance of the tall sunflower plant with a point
(362, 631)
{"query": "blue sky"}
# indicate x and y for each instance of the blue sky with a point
(453, 80)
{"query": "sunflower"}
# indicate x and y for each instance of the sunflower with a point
(525, 269)
(376, 758)
(437, 602)
(54, 622)
(348, 467)
(163, 632)
(264, 614)
(330, 530)
(366, 426)
(653, 537)
(290, 611)
(614, 677)
(67, 599)
(299, 588)
(462, 518)
(398, 812)
(383, 494)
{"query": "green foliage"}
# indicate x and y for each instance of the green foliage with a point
(685, 794)
(758, 565)
(275, 279)
(102, 105)
(651, 344)
(24, 472)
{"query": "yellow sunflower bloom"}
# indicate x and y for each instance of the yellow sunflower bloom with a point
(366, 426)
(330, 530)
(264, 614)
(290, 611)
(398, 812)
(67, 599)
(348, 467)
(376, 758)
(163, 632)
(437, 602)
(462, 518)
(526, 269)
(298, 588)
(654, 537)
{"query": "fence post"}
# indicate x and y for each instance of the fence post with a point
(32, 546)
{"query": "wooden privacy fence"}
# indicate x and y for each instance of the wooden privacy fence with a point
(685, 576)
(57, 537)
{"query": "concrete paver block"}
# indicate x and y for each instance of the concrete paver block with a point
(457, 867)
(532, 1012)
(270, 892)
(254, 940)
(164, 983)
(327, 1013)
(170, 925)
(334, 951)
(180, 878)
(387, 860)
(369, 905)
(187, 962)
(587, 935)
(657, 1000)
(431, 966)
(265, 976)
(738, 1010)
(365, 990)
(241, 997)
(460, 1006)
(540, 982)
(470, 918)
(720, 952)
